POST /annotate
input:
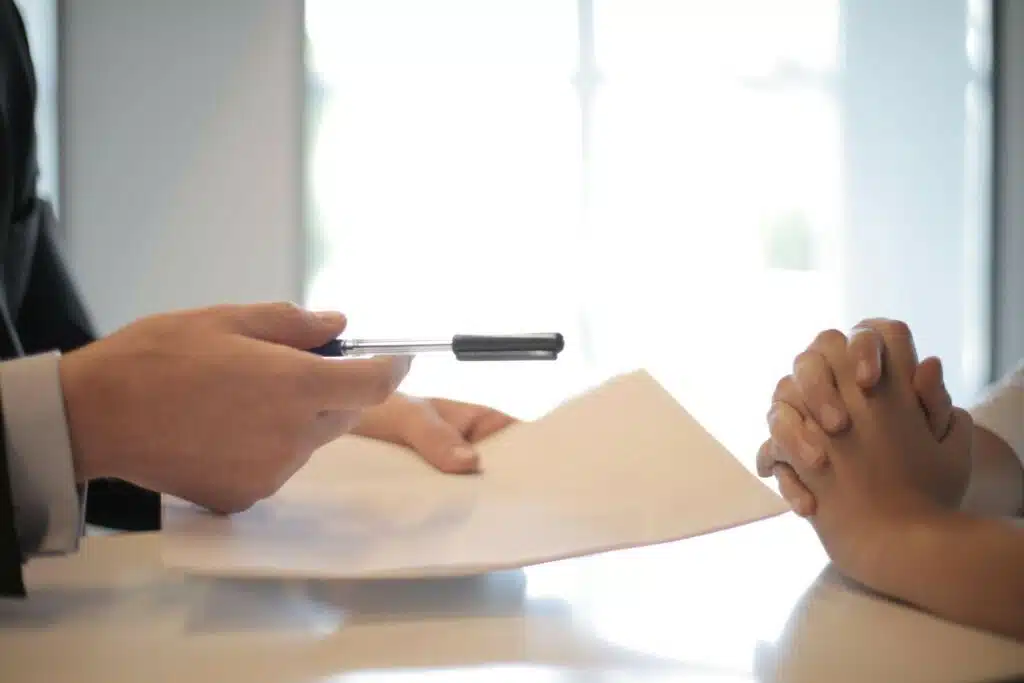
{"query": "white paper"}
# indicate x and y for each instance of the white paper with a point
(623, 465)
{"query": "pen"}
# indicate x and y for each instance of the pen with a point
(464, 346)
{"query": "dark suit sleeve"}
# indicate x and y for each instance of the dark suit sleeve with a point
(11, 558)
(11, 582)
(42, 309)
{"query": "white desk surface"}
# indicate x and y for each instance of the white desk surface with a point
(752, 604)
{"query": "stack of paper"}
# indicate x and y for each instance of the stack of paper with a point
(620, 466)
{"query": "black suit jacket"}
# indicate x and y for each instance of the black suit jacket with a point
(40, 308)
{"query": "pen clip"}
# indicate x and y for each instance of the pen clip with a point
(468, 347)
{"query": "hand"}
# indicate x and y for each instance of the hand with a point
(886, 473)
(811, 390)
(439, 430)
(219, 406)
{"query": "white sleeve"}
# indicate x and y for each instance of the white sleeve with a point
(49, 509)
(1001, 410)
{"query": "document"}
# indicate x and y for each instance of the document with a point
(622, 465)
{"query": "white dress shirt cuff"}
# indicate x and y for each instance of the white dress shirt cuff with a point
(1001, 411)
(49, 508)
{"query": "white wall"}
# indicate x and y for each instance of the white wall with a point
(182, 157)
(1010, 176)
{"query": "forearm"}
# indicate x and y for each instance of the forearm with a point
(996, 487)
(966, 569)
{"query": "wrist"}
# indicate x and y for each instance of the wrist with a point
(87, 459)
(912, 549)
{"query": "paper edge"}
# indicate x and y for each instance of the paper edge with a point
(450, 571)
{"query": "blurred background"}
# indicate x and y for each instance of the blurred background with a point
(691, 186)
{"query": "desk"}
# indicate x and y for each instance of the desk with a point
(754, 603)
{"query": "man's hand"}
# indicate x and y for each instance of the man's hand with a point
(219, 406)
(813, 393)
(441, 431)
(886, 474)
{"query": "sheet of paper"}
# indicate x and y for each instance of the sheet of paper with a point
(622, 465)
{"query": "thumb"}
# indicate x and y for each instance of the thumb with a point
(961, 431)
(934, 398)
(439, 443)
(287, 324)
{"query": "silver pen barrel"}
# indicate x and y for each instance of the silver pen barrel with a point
(353, 348)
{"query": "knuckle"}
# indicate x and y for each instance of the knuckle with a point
(865, 346)
(217, 315)
(765, 459)
(896, 328)
(827, 339)
(783, 425)
(804, 358)
(869, 324)
(809, 370)
(286, 309)
(864, 335)
(784, 389)
(216, 310)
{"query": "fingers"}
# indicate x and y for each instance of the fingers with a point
(899, 352)
(355, 383)
(442, 431)
(282, 323)
(795, 444)
(935, 399)
(488, 424)
(798, 496)
(800, 499)
(817, 386)
(787, 391)
(438, 442)
(766, 459)
(831, 345)
(475, 422)
(865, 349)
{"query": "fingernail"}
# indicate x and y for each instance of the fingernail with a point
(831, 416)
(465, 454)
(863, 372)
(330, 317)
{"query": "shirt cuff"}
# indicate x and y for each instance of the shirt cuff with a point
(49, 508)
(1001, 411)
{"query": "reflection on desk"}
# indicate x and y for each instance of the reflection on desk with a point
(751, 604)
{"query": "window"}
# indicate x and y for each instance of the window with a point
(692, 186)
(689, 186)
(40, 18)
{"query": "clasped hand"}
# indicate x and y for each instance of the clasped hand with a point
(865, 441)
